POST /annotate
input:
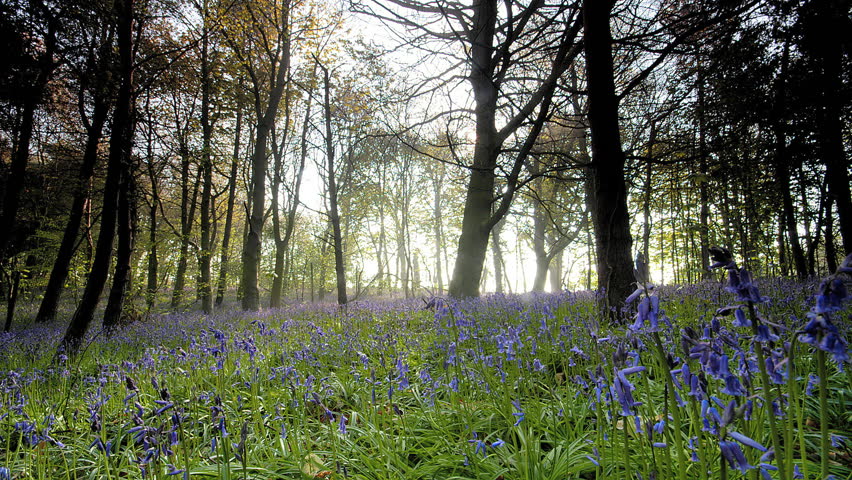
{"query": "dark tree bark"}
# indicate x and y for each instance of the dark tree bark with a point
(703, 193)
(126, 226)
(188, 202)
(333, 215)
(119, 156)
(265, 120)
(59, 272)
(782, 167)
(229, 214)
(613, 241)
(12, 298)
(205, 281)
(153, 255)
(833, 16)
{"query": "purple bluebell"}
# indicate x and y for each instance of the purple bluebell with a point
(765, 335)
(746, 440)
(740, 319)
(519, 414)
(732, 452)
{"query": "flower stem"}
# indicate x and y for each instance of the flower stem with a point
(678, 422)
(767, 394)
(823, 412)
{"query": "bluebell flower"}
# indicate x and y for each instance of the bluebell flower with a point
(746, 441)
(173, 470)
(5, 474)
(732, 452)
(765, 335)
(519, 414)
(342, 426)
(838, 441)
(821, 333)
(623, 390)
(740, 319)
(797, 473)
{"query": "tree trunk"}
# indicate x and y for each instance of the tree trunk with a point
(152, 287)
(119, 156)
(497, 253)
(438, 230)
(126, 224)
(229, 214)
(473, 241)
(333, 214)
(205, 286)
(252, 244)
(646, 196)
(830, 249)
(297, 186)
(612, 226)
(542, 262)
(59, 273)
(556, 272)
(12, 299)
(703, 193)
(189, 203)
(782, 167)
(833, 16)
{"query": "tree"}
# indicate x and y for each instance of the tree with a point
(501, 44)
(267, 86)
(92, 74)
(613, 241)
(117, 173)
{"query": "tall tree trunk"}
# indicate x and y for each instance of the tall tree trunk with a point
(229, 214)
(252, 244)
(556, 272)
(609, 214)
(126, 225)
(833, 16)
(59, 273)
(782, 166)
(153, 255)
(333, 215)
(646, 195)
(473, 241)
(205, 286)
(12, 298)
(119, 156)
(284, 244)
(187, 216)
(497, 253)
(438, 230)
(830, 249)
(542, 262)
(703, 193)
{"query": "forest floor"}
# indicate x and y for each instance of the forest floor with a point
(502, 387)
